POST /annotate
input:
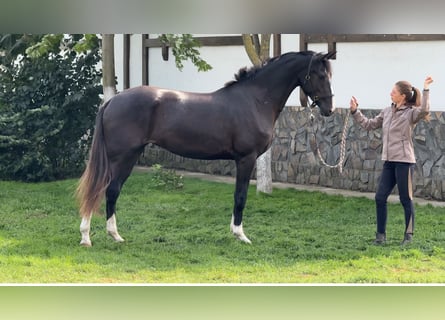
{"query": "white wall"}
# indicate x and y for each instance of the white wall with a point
(365, 70)
(135, 60)
(369, 71)
(225, 62)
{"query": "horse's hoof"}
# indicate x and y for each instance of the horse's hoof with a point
(243, 238)
(116, 237)
(85, 243)
(239, 233)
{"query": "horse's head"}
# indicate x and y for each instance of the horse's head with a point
(316, 83)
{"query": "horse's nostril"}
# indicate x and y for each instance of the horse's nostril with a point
(328, 113)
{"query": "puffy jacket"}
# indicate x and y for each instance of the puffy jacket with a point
(397, 129)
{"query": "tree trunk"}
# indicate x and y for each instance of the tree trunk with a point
(249, 46)
(264, 172)
(265, 47)
(258, 52)
(108, 73)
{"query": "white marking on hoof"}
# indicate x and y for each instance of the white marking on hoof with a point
(85, 232)
(112, 229)
(238, 232)
(85, 243)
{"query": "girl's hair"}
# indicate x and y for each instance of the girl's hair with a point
(412, 94)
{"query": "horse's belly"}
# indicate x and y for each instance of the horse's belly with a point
(205, 156)
(196, 149)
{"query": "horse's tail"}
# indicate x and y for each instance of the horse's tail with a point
(97, 174)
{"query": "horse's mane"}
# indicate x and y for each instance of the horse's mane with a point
(250, 72)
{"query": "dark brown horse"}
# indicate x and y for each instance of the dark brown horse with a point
(235, 122)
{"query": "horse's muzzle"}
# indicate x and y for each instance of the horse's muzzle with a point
(327, 113)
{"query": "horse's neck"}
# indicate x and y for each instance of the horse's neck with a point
(280, 87)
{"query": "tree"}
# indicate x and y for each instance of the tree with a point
(49, 93)
(258, 50)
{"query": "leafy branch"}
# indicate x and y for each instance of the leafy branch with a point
(184, 47)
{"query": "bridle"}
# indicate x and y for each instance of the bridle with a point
(307, 78)
(313, 142)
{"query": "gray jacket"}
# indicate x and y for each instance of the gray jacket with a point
(397, 128)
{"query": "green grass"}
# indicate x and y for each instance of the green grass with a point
(183, 237)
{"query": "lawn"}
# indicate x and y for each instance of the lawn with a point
(182, 236)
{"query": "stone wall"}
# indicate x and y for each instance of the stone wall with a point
(294, 160)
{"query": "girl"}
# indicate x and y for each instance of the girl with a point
(397, 122)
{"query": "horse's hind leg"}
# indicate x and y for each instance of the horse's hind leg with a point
(120, 171)
(85, 231)
(112, 194)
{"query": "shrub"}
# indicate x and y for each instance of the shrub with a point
(47, 105)
(167, 179)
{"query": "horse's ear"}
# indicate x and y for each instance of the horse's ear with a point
(330, 55)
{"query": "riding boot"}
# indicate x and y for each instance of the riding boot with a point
(380, 238)
(407, 239)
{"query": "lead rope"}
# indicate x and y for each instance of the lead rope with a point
(339, 165)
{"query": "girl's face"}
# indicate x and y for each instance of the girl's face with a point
(396, 96)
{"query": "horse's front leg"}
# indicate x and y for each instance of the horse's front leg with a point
(244, 169)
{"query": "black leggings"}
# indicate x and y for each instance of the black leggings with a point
(393, 173)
